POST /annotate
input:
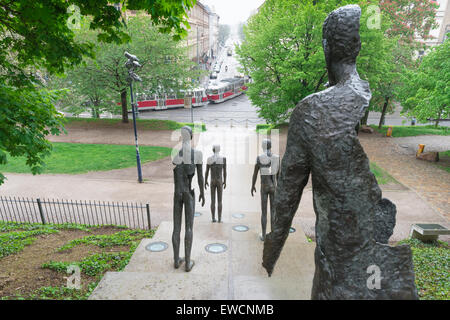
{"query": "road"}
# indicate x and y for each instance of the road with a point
(238, 111)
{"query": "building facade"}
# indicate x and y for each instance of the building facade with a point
(213, 33)
(197, 41)
(442, 32)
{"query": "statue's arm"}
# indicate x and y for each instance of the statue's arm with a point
(206, 175)
(255, 176)
(225, 172)
(293, 178)
(199, 165)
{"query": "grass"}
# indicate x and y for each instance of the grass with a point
(143, 124)
(267, 128)
(412, 131)
(74, 158)
(381, 175)
(444, 158)
(431, 267)
(15, 236)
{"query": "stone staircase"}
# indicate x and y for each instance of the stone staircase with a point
(235, 274)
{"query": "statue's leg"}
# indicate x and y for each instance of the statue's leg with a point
(272, 209)
(213, 201)
(264, 197)
(189, 207)
(177, 214)
(219, 200)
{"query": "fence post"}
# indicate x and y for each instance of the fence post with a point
(41, 212)
(148, 217)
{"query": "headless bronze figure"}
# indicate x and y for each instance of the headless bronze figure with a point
(269, 165)
(186, 161)
(218, 166)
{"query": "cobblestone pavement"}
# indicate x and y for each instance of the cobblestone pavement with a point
(429, 181)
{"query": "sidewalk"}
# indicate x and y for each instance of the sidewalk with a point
(431, 183)
(424, 202)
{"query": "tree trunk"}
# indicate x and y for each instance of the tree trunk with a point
(365, 118)
(383, 112)
(123, 98)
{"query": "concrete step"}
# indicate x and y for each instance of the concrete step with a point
(236, 273)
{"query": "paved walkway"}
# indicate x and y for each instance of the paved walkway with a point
(235, 274)
(422, 196)
(430, 182)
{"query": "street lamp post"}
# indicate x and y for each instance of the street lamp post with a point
(132, 64)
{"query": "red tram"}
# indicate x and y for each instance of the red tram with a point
(169, 101)
(227, 89)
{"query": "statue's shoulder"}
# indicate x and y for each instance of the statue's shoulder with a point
(362, 89)
(198, 156)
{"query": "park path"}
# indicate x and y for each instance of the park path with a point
(429, 181)
(422, 196)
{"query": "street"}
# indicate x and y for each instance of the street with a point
(238, 111)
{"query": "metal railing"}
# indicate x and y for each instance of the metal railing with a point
(92, 213)
(231, 121)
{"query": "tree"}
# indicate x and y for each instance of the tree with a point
(103, 81)
(408, 19)
(38, 37)
(283, 54)
(240, 30)
(29, 116)
(224, 33)
(426, 93)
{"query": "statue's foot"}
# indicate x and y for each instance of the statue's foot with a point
(189, 265)
(262, 237)
(214, 220)
(178, 262)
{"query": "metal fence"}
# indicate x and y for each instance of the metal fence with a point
(93, 213)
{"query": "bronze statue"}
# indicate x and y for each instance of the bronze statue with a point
(353, 222)
(268, 164)
(218, 166)
(186, 161)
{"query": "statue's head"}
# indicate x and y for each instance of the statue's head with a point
(186, 133)
(341, 41)
(216, 148)
(266, 145)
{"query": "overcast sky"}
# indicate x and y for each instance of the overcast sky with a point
(233, 11)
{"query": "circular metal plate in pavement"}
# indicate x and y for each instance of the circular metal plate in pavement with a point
(157, 246)
(241, 228)
(216, 248)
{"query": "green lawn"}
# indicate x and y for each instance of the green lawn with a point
(412, 131)
(444, 158)
(431, 267)
(143, 124)
(74, 158)
(381, 175)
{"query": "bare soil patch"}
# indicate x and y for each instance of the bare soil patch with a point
(21, 273)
